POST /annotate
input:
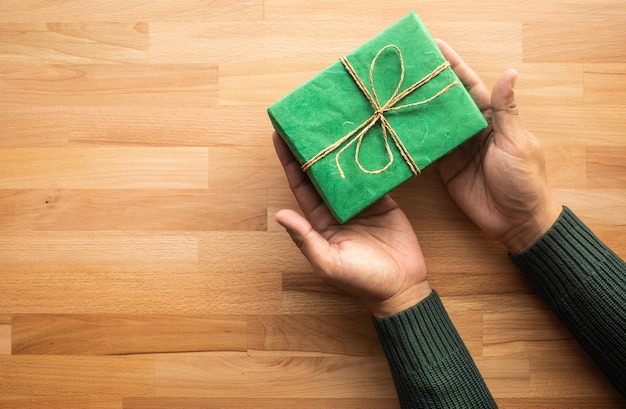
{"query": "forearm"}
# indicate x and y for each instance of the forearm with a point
(429, 362)
(585, 283)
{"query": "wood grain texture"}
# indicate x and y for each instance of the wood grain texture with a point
(123, 10)
(273, 376)
(605, 84)
(159, 85)
(329, 334)
(576, 41)
(104, 167)
(49, 334)
(133, 209)
(73, 42)
(250, 403)
(140, 263)
(5, 339)
(61, 402)
(62, 375)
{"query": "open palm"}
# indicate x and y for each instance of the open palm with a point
(375, 256)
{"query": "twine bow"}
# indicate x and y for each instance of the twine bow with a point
(359, 133)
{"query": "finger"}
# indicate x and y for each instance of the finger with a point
(383, 205)
(282, 150)
(503, 98)
(312, 244)
(471, 81)
(307, 197)
(507, 122)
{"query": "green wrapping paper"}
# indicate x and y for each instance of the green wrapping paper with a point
(355, 133)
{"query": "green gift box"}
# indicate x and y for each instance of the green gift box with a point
(375, 118)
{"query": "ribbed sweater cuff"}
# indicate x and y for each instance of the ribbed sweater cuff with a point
(419, 336)
(585, 284)
(429, 361)
(569, 257)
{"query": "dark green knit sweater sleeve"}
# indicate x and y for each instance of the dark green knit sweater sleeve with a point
(430, 364)
(585, 283)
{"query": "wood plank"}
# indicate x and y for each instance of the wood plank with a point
(555, 365)
(504, 39)
(140, 293)
(234, 43)
(273, 377)
(46, 127)
(97, 252)
(580, 403)
(5, 339)
(61, 402)
(599, 41)
(576, 125)
(129, 10)
(505, 377)
(352, 335)
(238, 167)
(459, 245)
(470, 327)
(264, 82)
(492, 303)
(63, 375)
(431, 10)
(155, 126)
(74, 43)
(305, 293)
(546, 84)
(100, 273)
(156, 85)
(46, 334)
(258, 403)
(132, 209)
(104, 168)
(242, 278)
(141, 273)
(606, 168)
(568, 371)
(598, 208)
(243, 251)
(318, 42)
(521, 333)
(605, 84)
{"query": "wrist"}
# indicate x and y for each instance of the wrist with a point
(401, 301)
(526, 233)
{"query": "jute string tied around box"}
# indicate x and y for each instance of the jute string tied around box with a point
(359, 133)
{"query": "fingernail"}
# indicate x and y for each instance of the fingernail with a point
(514, 73)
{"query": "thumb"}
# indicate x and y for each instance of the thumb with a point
(506, 120)
(312, 245)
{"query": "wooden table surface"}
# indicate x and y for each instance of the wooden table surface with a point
(140, 266)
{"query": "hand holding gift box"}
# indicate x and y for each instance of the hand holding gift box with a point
(377, 117)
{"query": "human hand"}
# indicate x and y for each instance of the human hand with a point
(375, 256)
(498, 177)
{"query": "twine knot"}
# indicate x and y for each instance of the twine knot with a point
(359, 133)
